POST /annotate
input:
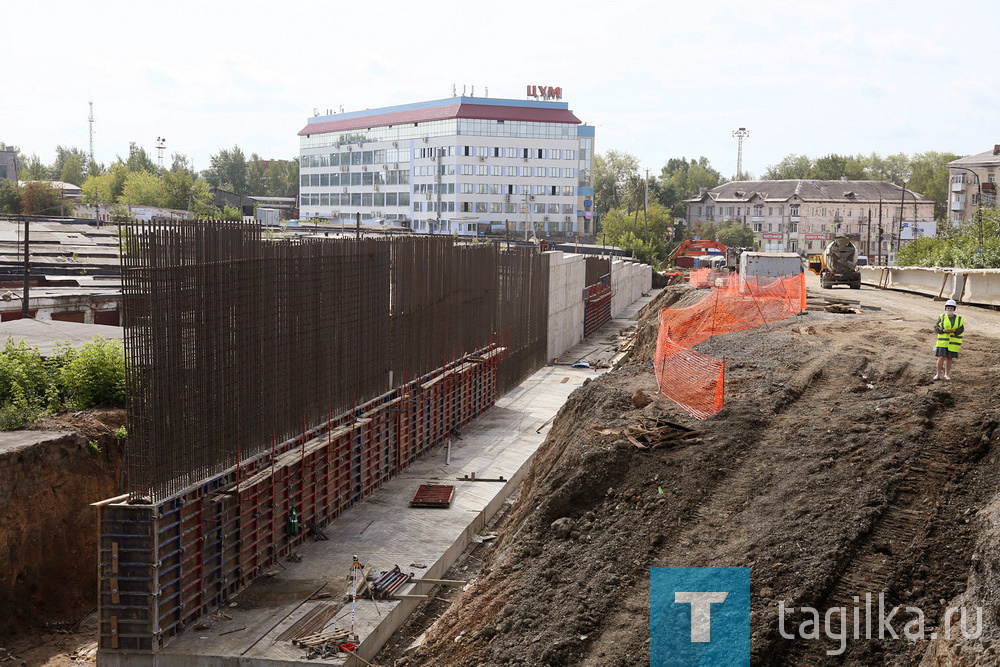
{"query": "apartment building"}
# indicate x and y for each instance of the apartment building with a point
(973, 184)
(804, 215)
(461, 165)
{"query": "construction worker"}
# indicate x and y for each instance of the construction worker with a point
(950, 328)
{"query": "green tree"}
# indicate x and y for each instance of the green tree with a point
(622, 229)
(10, 197)
(33, 169)
(63, 156)
(138, 160)
(612, 173)
(99, 189)
(282, 178)
(682, 178)
(143, 189)
(256, 176)
(228, 170)
(791, 167)
(40, 198)
(72, 170)
(735, 235)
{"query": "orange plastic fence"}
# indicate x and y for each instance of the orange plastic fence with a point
(694, 380)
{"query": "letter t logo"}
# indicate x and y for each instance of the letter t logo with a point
(701, 612)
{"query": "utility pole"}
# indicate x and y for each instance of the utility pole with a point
(90, 120)
(27, 269)
(740, 135)
(645, 206)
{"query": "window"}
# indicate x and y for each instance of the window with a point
(569, 172)
(356, 178)
(538, 208)
(480, 207)
(390, 198)
(510, 208)
(525, 171)
(757, 226)
(975, 199)
(482, 188)
(481, 170)
(539, 189)
(467, 207)
(404, 198)
(568, 209)
(468, 169)
(553, 208)
(367, 178)
(512, 171)
(465, 188)
(992, 178)
(541, 171)
(495, 207)
(379, 199)
(496, 170)
(567, 191)
(770, 210)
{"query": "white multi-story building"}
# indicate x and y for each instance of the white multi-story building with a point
(804, 215)
(462, 164)
(973, 184)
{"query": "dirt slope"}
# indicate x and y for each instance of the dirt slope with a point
(837, 468)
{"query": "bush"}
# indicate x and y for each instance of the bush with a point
(75, 379)
(94, 375)
(27, 385)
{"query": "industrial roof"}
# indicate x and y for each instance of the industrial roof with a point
(810, 190)
(528, 113)
(47, 335)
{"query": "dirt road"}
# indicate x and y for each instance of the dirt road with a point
(836, 469)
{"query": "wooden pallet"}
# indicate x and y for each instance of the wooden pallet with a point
(433, 495)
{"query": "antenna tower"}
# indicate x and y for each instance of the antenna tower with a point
(740, 135)
(90, 120)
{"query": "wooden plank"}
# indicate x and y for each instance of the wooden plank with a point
(115, 599)
(114, 557)
(114, 632)
(110, 501)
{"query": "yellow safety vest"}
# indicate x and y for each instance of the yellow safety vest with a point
(952, 341)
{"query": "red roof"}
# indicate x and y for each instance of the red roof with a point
(478, 111)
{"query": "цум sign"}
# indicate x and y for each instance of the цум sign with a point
(545, 92)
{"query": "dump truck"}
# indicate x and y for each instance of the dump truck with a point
(838, 265)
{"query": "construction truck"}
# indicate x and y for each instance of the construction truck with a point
(838, 265)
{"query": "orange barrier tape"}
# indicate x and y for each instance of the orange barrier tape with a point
(696, 381)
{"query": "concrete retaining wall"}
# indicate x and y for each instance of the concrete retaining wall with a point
(629, 281)
(977, 286)
(567, 276)
(567, 287)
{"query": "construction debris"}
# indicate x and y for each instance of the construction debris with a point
(656, 432)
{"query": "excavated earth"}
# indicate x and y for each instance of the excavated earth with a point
(837, 468)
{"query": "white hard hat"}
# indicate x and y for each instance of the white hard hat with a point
(950, 302)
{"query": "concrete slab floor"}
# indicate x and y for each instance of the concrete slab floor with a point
(383, 531)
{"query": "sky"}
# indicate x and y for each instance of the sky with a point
(657, 79)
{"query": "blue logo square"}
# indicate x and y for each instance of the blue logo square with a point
(699, 616)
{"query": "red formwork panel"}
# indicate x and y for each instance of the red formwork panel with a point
(165, 566)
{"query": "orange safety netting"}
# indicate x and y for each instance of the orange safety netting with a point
(694, 380)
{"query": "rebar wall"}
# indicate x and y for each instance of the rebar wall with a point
(234, 342)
